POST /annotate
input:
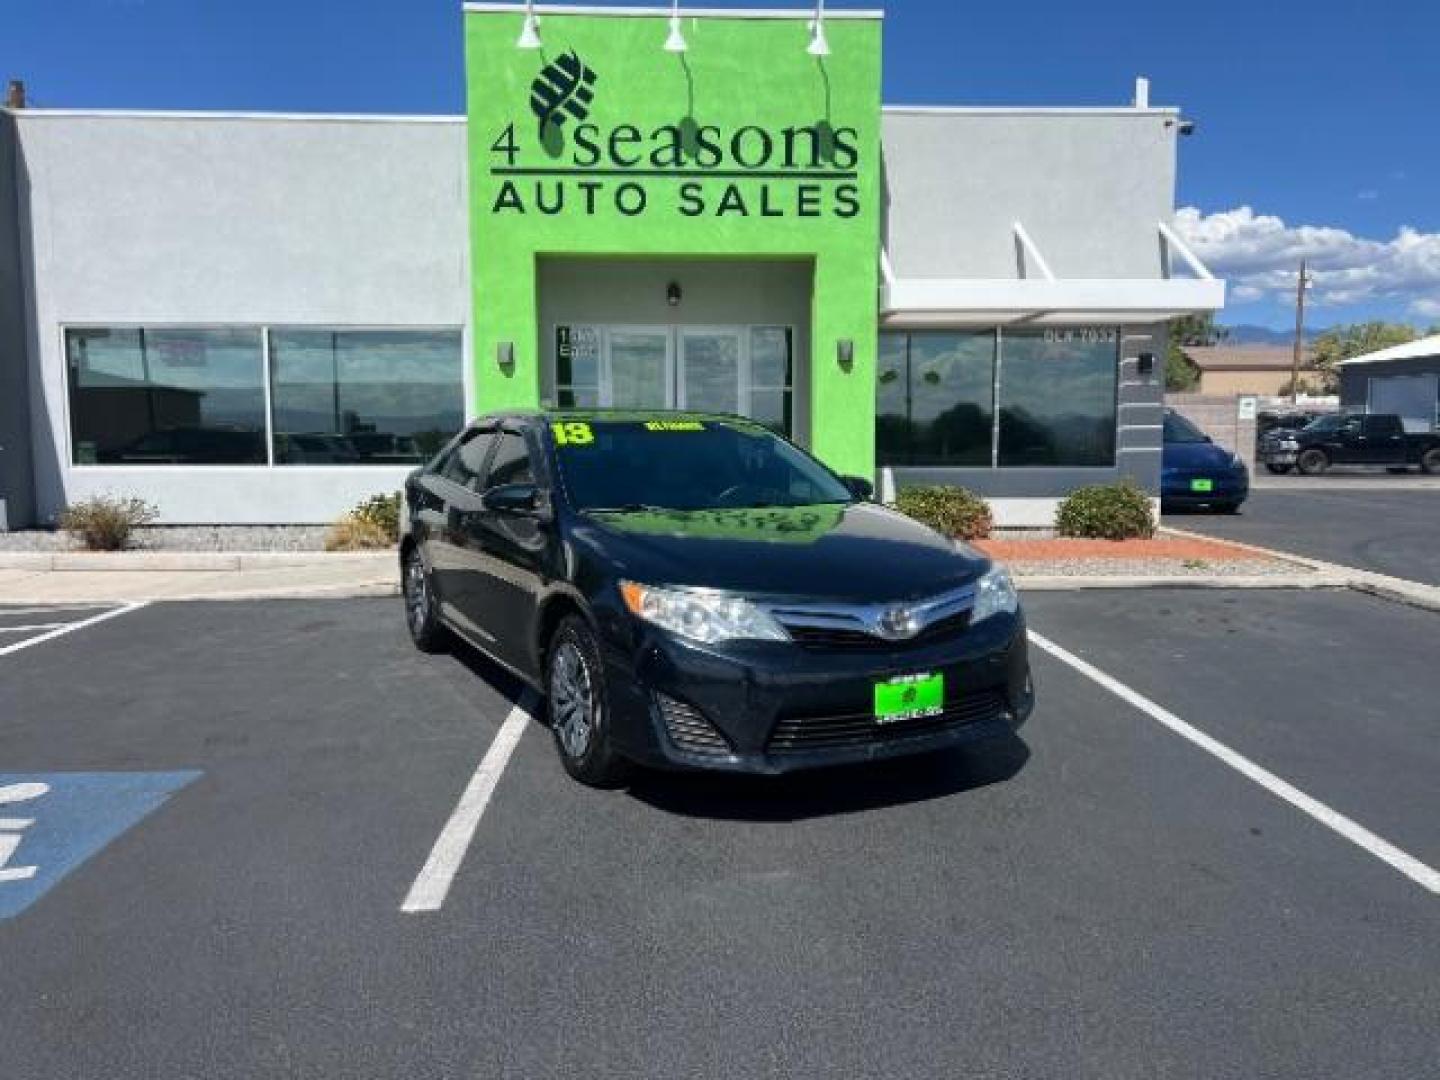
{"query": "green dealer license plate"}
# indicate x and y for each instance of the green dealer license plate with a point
(909, 696)
(1202, 485)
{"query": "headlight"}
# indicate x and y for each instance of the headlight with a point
(700, 614)
(994, 592)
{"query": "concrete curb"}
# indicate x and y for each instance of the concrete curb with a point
(189, 561)
(1066, 583)
(1398, 590)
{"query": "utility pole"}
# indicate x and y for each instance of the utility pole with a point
(1300, 287)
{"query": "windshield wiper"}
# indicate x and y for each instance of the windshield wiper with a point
(628, 508)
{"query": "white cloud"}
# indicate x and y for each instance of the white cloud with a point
(1260, 255)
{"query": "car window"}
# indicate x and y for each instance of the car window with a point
(684, 464)
(1382, 425)
(1323, 424)
(1180, 430)
(466, 461)
(512, 462)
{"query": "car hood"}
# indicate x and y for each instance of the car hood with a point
(855, 552)
(1196, 456)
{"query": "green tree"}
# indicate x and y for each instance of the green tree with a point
(1344, 342)
(1186, 331)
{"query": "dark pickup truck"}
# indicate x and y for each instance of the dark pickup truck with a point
(1349, 439)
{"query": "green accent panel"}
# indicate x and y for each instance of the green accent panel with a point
(744, 147)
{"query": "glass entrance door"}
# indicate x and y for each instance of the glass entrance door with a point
(710, 369)
(735, 369)
(639, 367)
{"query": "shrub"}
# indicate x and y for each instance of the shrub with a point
(950, 510)
(1106, 512)
(106, 522)
(355, 533)
(382, 511)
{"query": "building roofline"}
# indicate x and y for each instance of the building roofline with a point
(459, 118)
(1028, 110)
(201, 114)
(512, 7)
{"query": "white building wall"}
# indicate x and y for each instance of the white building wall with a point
(162, 220)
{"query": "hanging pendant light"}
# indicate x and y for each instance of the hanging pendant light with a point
(675, 43)
(818, 45)
(530, 30)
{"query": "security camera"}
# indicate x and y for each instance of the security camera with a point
(1187, 127)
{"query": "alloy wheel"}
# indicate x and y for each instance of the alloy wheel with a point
(417, 594)
(572, 700)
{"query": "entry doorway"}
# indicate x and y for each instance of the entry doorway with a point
(744, 369)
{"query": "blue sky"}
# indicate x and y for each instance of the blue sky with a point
(1317, 130)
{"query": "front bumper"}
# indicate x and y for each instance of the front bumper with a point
(1177, 489)
(1277, 455)
(778, 707)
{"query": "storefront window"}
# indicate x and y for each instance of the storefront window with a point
(364, 397)
(934, 398)
(1057, 397)
(892, 400)
(166, 397)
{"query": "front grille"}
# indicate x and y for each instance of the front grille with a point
(828, 637)
(802, 733)
(689, 730)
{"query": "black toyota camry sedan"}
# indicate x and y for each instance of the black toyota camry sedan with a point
(693, 591)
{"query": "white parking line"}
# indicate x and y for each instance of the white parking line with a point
(31, 628)
(432, 884)
(71, 627)
(1425, 876)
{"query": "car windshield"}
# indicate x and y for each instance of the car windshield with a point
(682, 463)
(1180, 430)
(1324, 423)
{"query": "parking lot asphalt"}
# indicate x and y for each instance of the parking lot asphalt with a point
(1096, 897)
(1389, 532)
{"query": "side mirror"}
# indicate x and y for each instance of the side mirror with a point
(859, 487)
(518, 500)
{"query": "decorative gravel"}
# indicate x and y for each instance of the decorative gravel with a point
(185, 538)
(1155, 568)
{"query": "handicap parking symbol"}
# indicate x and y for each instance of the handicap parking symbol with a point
(50, 823)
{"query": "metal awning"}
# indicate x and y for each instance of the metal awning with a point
(1046, 299)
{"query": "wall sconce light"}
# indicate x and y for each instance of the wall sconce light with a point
(1145, 363)
(505, 356)
(845, 353)
(673, 294)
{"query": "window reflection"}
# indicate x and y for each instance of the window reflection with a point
(1057, 397)
(952, 382)
(364, 397)
(935, 398)
(166, 397)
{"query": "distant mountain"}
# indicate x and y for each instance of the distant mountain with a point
(1249, 334)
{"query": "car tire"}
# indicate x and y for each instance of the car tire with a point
(422, 607)
(578, 706)
(1313, 462)
(1279, 470)
(1227, 508)
(1430, 460)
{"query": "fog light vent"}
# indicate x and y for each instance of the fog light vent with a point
(689, 730)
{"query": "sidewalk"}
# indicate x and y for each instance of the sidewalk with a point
(128, 576)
